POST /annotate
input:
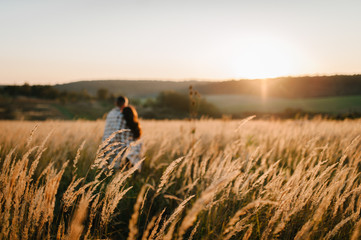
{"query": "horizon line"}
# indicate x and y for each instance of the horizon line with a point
(182, 80)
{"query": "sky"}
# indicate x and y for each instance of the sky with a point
(51, 42)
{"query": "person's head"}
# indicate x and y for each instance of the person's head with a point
(121, 102)
(131, 118)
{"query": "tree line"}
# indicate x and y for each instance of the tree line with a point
(171, 104)
(167, 104)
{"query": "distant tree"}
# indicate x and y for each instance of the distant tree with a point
(173, 100)
(135, 102)
(102, 93)
(173, 104)
(85, 95)
(25, 89)
(149, 103)
(63, 97)
(207, 108)
(72, 96)
(44, 92)
(112, 98)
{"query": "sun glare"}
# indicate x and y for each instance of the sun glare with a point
(264, 89)
(264, 57)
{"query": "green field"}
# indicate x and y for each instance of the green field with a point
(244, 103)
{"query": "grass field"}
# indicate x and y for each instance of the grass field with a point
(207, 179)
(242, 103)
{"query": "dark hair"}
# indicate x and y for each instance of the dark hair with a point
(131, 118)
(121, 100)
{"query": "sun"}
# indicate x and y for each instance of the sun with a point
(264, 57)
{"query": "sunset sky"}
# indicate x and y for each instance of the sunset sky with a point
(49, 42)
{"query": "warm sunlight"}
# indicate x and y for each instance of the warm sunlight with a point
(265, 57)
(264, 89)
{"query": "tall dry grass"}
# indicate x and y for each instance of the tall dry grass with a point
(202, 180)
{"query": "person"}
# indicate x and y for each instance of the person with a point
(115, 123)
(130, 137)
(123, 120)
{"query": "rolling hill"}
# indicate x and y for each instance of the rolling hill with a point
(136, 88)
(285, 87)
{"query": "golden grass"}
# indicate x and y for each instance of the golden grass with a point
(204, 179)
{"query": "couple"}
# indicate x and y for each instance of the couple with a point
(123, 117)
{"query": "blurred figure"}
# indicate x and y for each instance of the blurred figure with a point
(130, 138)
(114, 121)
(122, 122)
(114, 124)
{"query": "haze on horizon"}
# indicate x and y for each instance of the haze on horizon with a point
(49, 42)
